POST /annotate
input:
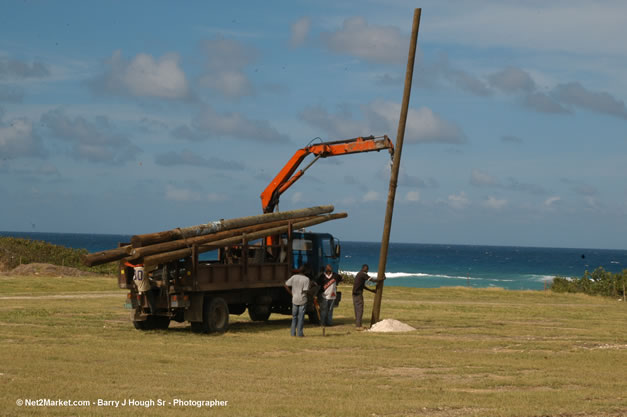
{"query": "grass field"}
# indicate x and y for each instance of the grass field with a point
(474, 353)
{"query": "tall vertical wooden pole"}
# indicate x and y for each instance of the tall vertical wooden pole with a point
(385, 240)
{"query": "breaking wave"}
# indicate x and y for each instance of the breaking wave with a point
(393, 275)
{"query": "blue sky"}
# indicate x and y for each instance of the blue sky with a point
(133, 117)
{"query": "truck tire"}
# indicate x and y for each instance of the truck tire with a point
(215, 315)
(259, 312)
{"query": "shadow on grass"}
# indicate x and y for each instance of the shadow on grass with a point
(284, 322)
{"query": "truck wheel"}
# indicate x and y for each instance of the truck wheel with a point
(215, 315)
(259, 312)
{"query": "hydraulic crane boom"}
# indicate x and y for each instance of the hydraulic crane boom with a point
(288, 175)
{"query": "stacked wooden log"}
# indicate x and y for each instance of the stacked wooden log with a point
(170, 245)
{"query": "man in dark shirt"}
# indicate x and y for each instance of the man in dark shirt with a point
(358, 290)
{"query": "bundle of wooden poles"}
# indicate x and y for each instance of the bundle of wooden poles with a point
(162, 247)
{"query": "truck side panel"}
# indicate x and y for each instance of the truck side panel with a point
(220, 277)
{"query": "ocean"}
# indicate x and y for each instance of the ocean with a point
(429, 266)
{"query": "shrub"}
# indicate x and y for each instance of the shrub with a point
(597, 282)
(347, 278)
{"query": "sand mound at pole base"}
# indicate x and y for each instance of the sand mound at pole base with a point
(389, 326)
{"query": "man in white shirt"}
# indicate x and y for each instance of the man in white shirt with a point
(297, 286)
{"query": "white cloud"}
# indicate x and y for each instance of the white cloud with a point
(495, 203)
(18, 139)
(370, 42)
(189, 158)
(236, 125)
(233, 84)
(458, 201)
(340, 125)
(11, 94)
(556, 25)
(412, 196)
(511, 80)
(228, 54)
(480, 178)
(226, 61)
(408, 180)
(600, 101)
(17, 69)
(95, 140)
(423, 125)
(300, 30)
(144, 76)
(371, 196)
(543, 103)
(552, 201)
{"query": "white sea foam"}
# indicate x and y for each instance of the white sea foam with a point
(543, 278)
(392, 275)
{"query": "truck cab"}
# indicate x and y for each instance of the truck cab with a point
(315, 250)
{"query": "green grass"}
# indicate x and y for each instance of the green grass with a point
(475, 353)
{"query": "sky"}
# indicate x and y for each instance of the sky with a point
(136, 117)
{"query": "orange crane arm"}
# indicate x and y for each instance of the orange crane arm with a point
(288, 175)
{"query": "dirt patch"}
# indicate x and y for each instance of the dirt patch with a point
(49, 270)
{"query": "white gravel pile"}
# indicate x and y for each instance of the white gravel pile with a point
(390, 325)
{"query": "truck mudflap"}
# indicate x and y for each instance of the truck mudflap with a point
(194, 312)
